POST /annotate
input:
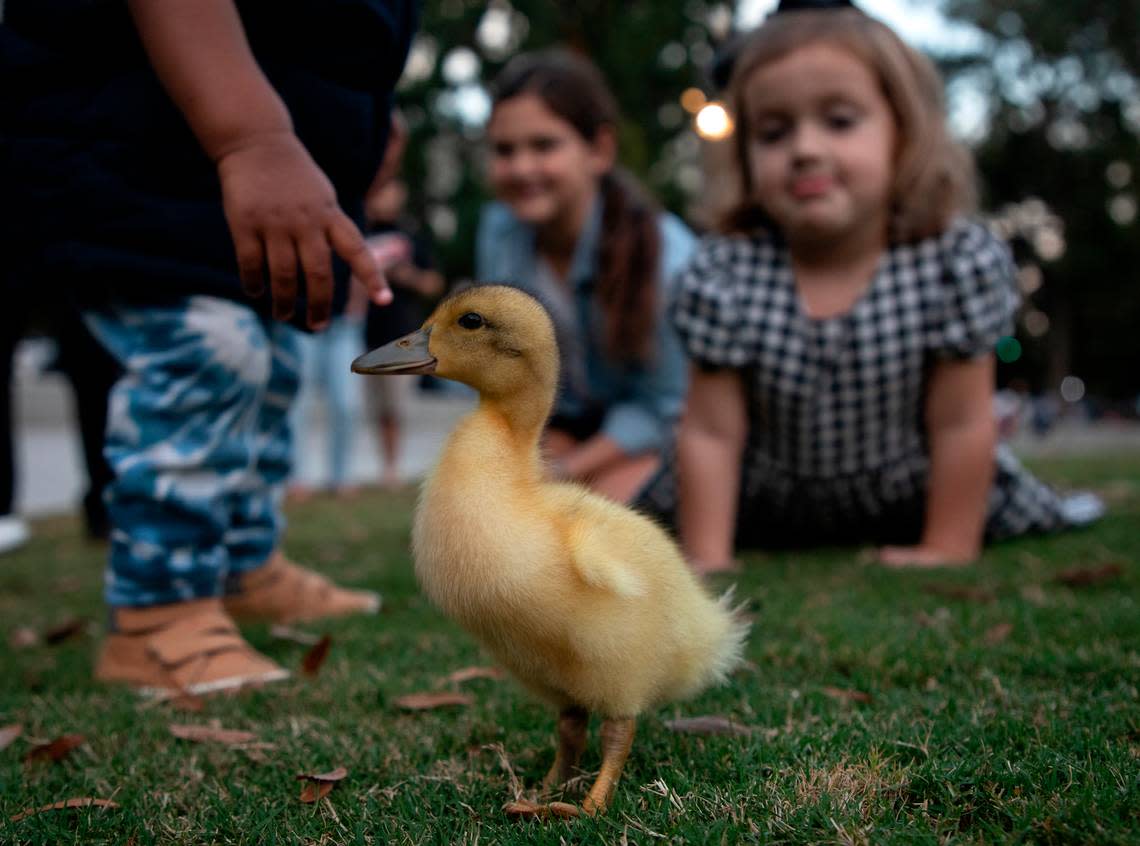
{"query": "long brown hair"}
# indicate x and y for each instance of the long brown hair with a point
(933, 174)
(571, 87)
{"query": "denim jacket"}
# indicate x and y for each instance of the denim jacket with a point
(640, 401)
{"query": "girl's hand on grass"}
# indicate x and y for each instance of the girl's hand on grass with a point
(282, 212)
(921, 557)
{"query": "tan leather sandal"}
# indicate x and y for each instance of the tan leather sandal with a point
(183, 648)
(282, 592)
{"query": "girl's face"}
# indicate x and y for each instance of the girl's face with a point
(822, 144)
(540, 166)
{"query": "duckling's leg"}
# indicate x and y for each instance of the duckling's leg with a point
(572, 727)
(617, 740)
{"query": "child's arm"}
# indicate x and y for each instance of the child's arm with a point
(281, 208)
(709, 446)
(962, 435)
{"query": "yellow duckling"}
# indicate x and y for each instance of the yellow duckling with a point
(587, 603)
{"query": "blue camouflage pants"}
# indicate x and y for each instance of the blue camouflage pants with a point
(198, 438)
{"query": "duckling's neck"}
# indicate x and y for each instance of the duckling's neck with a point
(521, 416)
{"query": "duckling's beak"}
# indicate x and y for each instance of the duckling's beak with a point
(408, 354)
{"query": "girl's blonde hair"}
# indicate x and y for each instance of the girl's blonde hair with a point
(933, 174)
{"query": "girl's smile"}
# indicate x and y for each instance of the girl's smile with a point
(541, 166)
(821, 146)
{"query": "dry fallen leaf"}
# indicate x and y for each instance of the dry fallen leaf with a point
(469, 673)
(427, 701)
(315, 657)
(707, 725)
(847, 694)
(338, 774)
(964, 592)
(79, 802)
(996, 634)
(9, 733)
(215, 734)
(65, 630)
(56, 750)
(1088, 576)
(318, 785)
(315, 791)
(23, 638)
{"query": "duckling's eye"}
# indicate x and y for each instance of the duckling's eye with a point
(471, 320)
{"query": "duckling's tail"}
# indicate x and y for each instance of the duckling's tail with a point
(728, 648)
(714, 645)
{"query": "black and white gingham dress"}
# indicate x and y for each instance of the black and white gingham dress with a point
(836, 450)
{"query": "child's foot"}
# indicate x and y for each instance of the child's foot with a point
(282, 592)
(182, 648)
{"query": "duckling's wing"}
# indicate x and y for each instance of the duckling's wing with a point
(596, 548)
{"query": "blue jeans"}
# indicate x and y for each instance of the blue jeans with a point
(325, 365)
(198, 438)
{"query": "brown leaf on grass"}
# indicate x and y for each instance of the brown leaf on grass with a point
(56, 750)
(338, 774)
(963, 592)
(428, 701)
(78, 802)
(23, 638)
(212, 734)
(65, 631)
(315, 791)
(1089, 576)
(9, 733)
(293, 635)
(469, 673)
(315, 657)
(996, 634)
(318, 785)
(711, 724)
(848, 695)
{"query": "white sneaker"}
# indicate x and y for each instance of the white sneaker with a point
(1083, 508)
(13, 532)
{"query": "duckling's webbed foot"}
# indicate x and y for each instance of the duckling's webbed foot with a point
(617, 740)
(573, 723)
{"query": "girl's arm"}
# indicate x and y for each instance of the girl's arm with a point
(714, 427)
(280, 207)
(962, 435)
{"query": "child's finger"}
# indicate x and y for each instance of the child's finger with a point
(251, 261)
(316, 260)
(349, 245)
(282, 275)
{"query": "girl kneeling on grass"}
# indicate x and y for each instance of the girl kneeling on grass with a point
(841, 327)
(574, 228)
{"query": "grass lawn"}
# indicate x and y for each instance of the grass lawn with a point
(990, 704)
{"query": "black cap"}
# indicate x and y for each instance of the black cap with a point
(805, 5)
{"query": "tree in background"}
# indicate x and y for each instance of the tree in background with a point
(1060, 164)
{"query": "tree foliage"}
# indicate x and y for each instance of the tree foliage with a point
(1062, 89)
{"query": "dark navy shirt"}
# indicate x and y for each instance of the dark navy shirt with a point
(106, 188)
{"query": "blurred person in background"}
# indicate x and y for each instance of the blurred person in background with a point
(400, 247)
(14, 531)
(842, 325)
(191, 168)
(572, 227)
